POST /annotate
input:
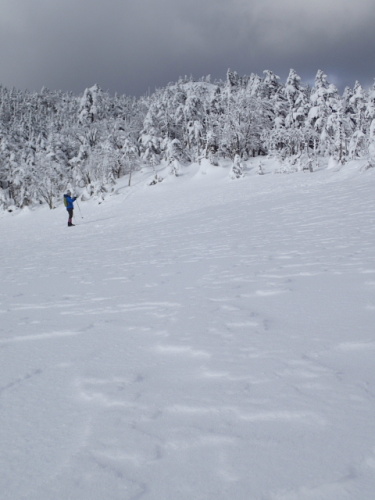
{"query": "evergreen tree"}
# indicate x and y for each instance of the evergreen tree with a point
(90, 105)
(325, 101)
(51, 139)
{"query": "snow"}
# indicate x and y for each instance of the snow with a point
(203, 338)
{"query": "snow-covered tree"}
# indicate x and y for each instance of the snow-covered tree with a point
(297, 101)
(325, 101)
(50, 139)
(371, 146)
(90, 105)
(237, 170)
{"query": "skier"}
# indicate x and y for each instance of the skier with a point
(69, 203)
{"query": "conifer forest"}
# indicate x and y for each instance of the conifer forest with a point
(52, 140)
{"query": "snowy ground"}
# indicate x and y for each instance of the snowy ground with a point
(202, 339)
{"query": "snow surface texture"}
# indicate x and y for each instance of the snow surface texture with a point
(203, 338)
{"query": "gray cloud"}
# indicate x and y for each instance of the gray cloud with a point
(129, 46)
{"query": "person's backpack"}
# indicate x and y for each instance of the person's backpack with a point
(65, 200)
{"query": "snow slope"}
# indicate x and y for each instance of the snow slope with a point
(199, 339)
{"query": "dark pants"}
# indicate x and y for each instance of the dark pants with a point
(70, 212)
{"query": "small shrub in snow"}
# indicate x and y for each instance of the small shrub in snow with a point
(156, 180)
(174, 166)
(237, 168)
(307, 165)
(287, 167)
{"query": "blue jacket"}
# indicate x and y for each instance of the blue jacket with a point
(69, 201)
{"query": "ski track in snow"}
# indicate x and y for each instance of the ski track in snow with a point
(199, 339)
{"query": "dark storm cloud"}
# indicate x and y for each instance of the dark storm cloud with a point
(130, 46)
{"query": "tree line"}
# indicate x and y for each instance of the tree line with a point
(52, 140)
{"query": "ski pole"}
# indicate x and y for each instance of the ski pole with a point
(79, 208)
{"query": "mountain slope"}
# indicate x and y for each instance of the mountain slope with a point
(201, 338)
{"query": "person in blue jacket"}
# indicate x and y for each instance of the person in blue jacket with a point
(69, 203)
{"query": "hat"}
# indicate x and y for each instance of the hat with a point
(68, 192)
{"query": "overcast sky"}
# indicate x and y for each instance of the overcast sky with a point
(134, 46)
